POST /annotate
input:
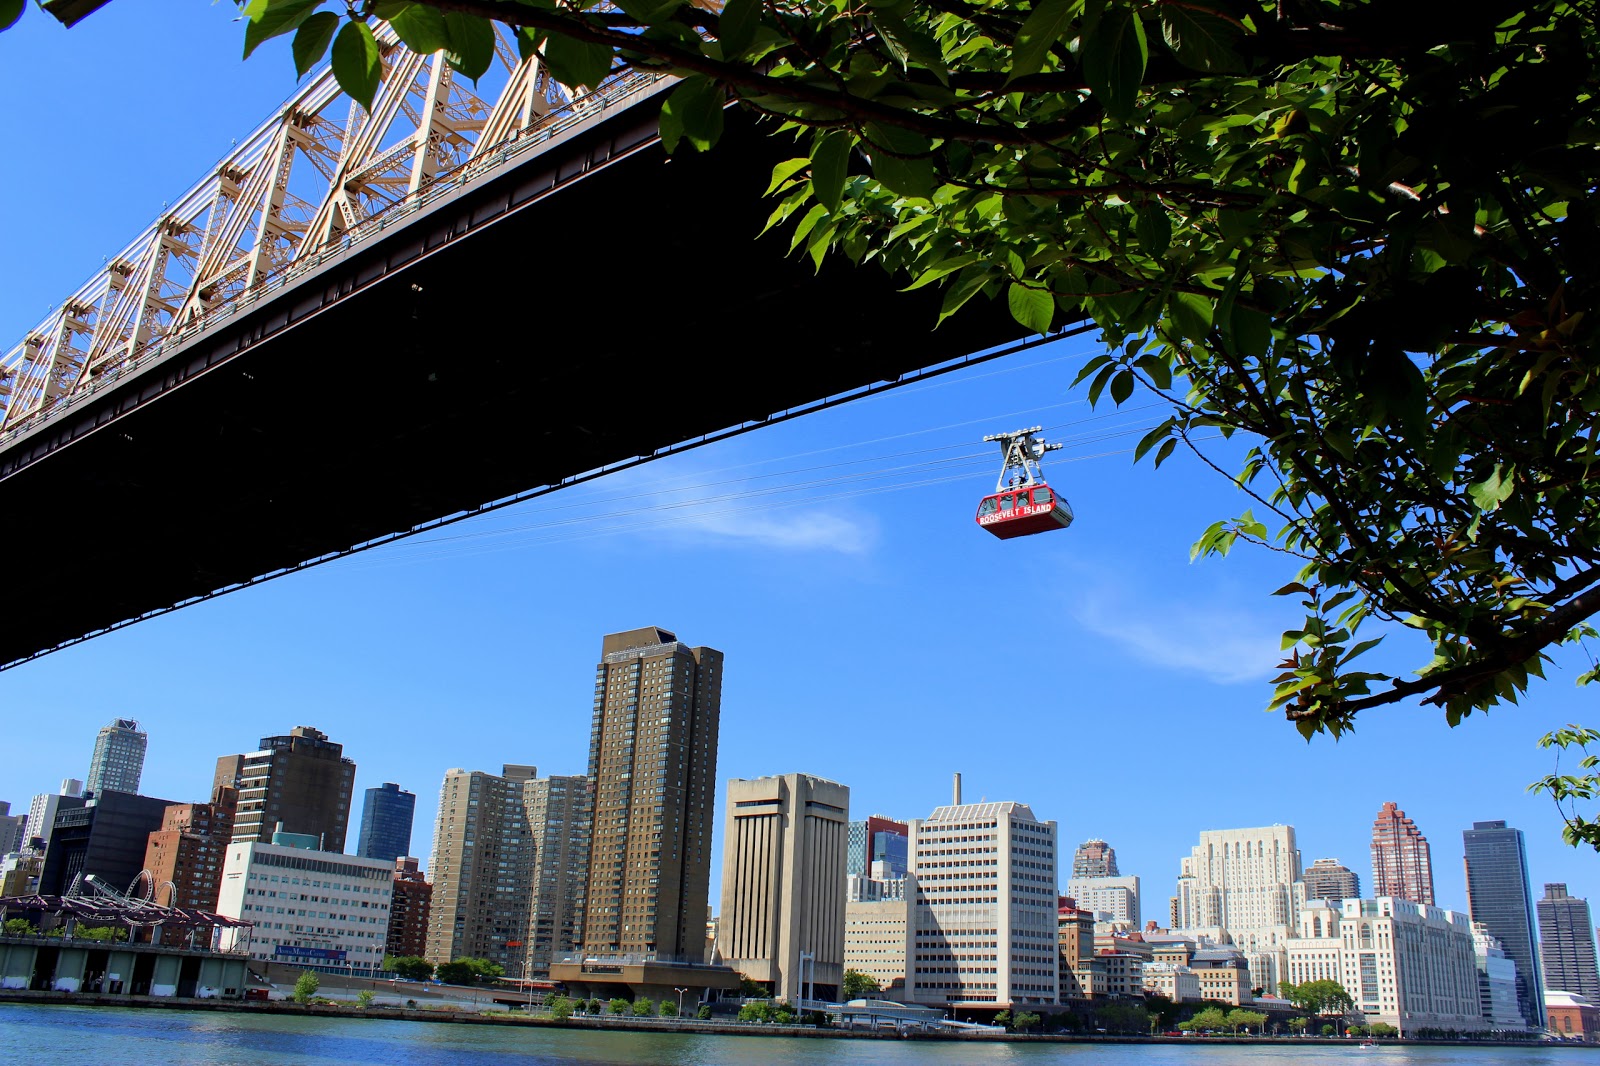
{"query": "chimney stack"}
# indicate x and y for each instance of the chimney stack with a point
(958, 789)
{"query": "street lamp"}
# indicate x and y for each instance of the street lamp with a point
(680, 992)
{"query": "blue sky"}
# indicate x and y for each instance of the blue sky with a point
(873, 633)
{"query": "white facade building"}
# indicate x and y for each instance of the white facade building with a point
(1177, 982)
(317, 909)
(1497, 982)
(1243, 886)
(875, 941)
(1113, 899)
(1407, 964)
(983, 926)
(42, 811)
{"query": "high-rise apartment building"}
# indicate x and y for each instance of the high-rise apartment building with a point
(1499, 896)
(301, 782)
(42, 812)
(1244, 883)
(1402, 864)
(12, 828)
(1113, 899)
(983, 927)
(408, 911)
(783, 884)
(510, 854)
(1094, 858)
(118, 760)
(481, 857)
(1566, 943)
(189, 849)
(877, 840)
(1327, 879)
(653, 764)
(386, 823)
(559, 829)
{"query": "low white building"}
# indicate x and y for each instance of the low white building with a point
(316, 909)
(1173, 980)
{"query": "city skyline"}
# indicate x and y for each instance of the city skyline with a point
(493, 648)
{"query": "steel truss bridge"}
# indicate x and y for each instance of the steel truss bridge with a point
(358, 325)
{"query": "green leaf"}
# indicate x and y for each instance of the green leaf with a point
(1034, 308)
(356, 64)
(909, 170)
(573, 62)
(471, 43)
(1115, 52)
(274, 18)
(1191, 315)
(10, 12)
(649, 12)
(1122, 388)
(1043, 28)
(736, 28)
(1495, 489)
(968, 284)
(421, 28)
(311, 40)
(785, 170)
(1153, 229)
(693, 112)
(830, 162)
(1200, 39)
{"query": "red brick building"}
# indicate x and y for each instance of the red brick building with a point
(187, 851)
(1572, 1016)
(408, 911)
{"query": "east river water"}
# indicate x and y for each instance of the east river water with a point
(81, 1036)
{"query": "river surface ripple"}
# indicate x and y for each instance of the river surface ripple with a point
(70, 1036)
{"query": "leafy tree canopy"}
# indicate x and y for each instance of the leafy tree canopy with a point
(858, 985)
(468, 971)
(1318, 997)
(411, 967)
(306, 986)
(1363, 236)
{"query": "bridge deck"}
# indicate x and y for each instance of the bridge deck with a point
(594, 303)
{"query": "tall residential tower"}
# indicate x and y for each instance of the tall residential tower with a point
(1566, 944)
(118, 760)
(1245, 883)
(1402, 864)
(653, 764)
(302, 781)
(386, 823)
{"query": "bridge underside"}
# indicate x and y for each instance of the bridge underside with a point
(509, 338)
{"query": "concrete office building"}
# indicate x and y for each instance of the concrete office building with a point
(875, 941)
(1113, 899)
(320, 910)
(105, 836)
(1497, 983)
(42, 811)
(1500, 897)
(652, 764)
(877, 840)
(1326, 879)
(409, 905)
(1243, 886)
(984, 930)
(1314, 953)
(386, 818)
(1074, 950)
(782, 919)
(118, 760)
(1566, 944)
(301, 782)
(1402, 863)
(190, 847)
(1094, 858)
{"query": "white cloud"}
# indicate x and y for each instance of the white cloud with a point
(790, 529)
(1225, 645)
